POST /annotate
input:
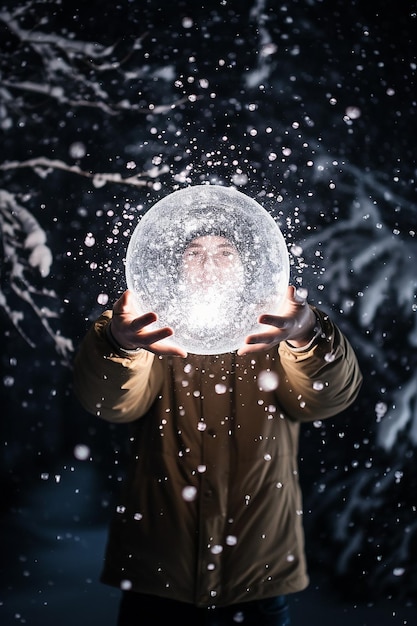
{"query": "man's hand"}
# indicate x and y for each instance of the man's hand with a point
(296, 324)
(130, 332)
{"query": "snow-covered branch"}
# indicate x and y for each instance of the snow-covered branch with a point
(25, 250)
(72, 73)
(43, 166)
(375, 273)
(351, 516)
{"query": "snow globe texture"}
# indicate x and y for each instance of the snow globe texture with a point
(208, 260)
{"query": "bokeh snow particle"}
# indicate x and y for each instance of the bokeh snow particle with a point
(353, 112)
(220, 388)
(380, 409)
(125, 585)
(267, 381)
(77, 150)
(189, 493)
(102, 298)
(318, 385)
(82, 452)
(89, 240)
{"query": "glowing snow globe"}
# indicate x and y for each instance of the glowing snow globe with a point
(208, 260)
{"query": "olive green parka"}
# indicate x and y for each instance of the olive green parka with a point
(211, 510)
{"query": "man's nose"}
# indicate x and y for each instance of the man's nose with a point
(210, 267)
(209, 260)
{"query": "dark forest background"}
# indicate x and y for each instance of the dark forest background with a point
(307, 106)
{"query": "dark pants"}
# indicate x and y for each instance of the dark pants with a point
(137, 609)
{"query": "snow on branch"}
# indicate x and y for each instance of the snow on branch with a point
(43, 166)
(25, 245)
(25, 250)
(382, 262)
(402, 415)
(67, 46)
(70, 72)
(350, 517)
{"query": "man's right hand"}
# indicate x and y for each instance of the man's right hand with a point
(130, 331)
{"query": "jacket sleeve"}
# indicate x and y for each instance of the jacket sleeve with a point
(321, 381)
(115, 387)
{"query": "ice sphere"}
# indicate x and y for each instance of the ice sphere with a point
(208, 260)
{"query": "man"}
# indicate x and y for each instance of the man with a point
(208, 530)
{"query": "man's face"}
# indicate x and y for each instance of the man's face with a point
(212, 261)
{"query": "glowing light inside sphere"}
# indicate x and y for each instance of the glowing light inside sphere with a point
(208, 260)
